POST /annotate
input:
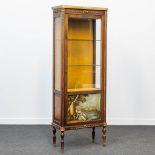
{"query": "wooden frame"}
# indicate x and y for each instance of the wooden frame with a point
(65, 12)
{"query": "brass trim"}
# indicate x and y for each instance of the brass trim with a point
(77, 7)
(104, 124)
(62, 129)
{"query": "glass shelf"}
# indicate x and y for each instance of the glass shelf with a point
(82, 65)
(83, 89)
(92, 40)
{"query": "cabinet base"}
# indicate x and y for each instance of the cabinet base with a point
(63, 129)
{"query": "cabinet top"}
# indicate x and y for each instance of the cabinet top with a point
(77, 7)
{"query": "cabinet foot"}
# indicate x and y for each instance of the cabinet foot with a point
(54, 135)
(104, 135)
(62, 141)
(93, 134)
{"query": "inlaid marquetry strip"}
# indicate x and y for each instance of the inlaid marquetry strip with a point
(83, 12)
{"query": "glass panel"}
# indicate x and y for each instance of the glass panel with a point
(83, 107)
(80, 29)
(84, 48)
(82, 52)
(83, 77)
(57, 53)
(98, 29)
(57, 107)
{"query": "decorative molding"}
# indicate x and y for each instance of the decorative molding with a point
(84, 12)
(62, 16)
(83, 126)
(56, 13)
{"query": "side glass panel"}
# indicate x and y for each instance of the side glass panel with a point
(83, 107)
(57, 53)
(57, 107)
(84, 46)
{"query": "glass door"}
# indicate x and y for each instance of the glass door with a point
(83, 70)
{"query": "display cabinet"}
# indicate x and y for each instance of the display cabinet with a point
(79, 66)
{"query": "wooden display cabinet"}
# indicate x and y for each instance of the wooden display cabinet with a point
(79, 81)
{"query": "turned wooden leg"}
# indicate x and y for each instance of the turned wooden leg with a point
(93, 134)
(104, 135)
(54, 135)
(62, 141)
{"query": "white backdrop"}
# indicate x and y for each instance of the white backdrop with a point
(26, 60)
